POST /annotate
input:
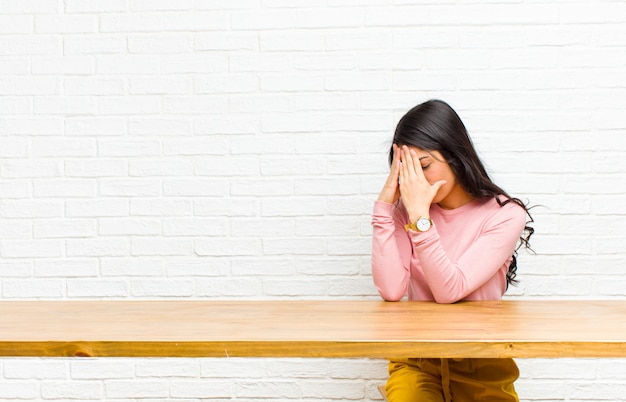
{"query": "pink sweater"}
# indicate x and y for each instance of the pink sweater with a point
(464, 256)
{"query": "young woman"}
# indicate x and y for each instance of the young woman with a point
(443, 231)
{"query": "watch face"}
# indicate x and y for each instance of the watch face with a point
(423, 224)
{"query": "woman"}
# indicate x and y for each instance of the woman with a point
(443, 231)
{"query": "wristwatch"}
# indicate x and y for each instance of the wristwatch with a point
(423, 224)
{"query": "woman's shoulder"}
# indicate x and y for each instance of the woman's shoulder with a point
(503, 207)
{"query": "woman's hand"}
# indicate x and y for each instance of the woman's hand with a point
(416, 192)
(391, 191)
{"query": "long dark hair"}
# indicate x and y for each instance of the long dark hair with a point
(435, 126)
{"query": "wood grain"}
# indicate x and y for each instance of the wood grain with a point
(313, 329)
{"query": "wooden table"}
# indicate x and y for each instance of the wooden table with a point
(341, 329)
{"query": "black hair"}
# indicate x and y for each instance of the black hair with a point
(435, 126)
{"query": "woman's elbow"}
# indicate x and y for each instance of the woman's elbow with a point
(391, 296)
(445, 299)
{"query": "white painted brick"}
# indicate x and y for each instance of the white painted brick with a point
(94, 6)
(352, 390)
(158, 85)
(29, 167)
(19, 390)
(233, 366)
(268, 389)
(196, 146)
(16, 270)
(146, 246)
(161, 207)
(31, 126)
(75, 147)
(31, 248)
(30, 44)
(226, 41)
(131, 266)
(168, 368)
(323, 265)
(256, 187)
(29, 288)
(97, 288)
(161, 44)
(66, 228)
(291, 41)
(338, 186)
(135, 389)
(91, 86)
(296, 368)
(17, 66)
(16, 24)
(97, 247)
(128, 226)
(135, 187)
(260, 20)
(14, 106)
(360, 81)
(35, 369)
(65, 105)
(197, 63)
(97, 207)
(29, 86)
(29, 6)
(262, 267)
(297, 246)
(129, 105)
(339, 17)
(158, 288)
(201, 389)
(51, 24)
(87, 390)
(218, 166)
(195, 187)
(159, 5)
(324, 62)
(133, 22)
(226, 207)
(157, 125)
(95, 168)
(197, 266)
(194, 227)
(227, 247)
(159, 167)
(260, 62)
(197, 21)
(70, 268)
(293, 206)
(231, 287)
(313, 288)
(127, 64)
(93, 43)
(95, 126)
(98, 369)
(261, 227)
(195, 104)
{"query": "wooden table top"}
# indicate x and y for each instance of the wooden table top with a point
(341, 328)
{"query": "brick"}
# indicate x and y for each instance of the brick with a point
(146, 246)
(127, 266)
(97, 247)
(68, 268)
(66, 24)
(179, 43)
(135, 389)
(97, 288)
(91, 86)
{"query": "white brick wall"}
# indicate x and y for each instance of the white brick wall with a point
(233, 149)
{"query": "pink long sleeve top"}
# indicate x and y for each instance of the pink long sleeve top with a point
(464, 256)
